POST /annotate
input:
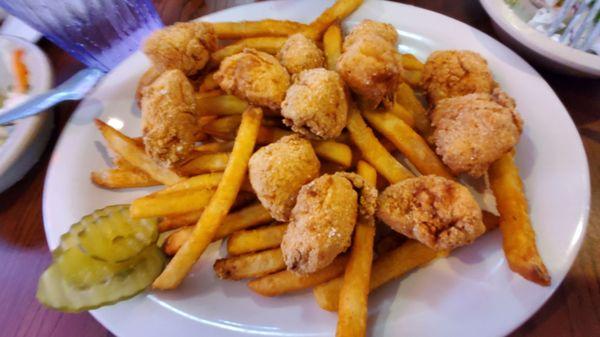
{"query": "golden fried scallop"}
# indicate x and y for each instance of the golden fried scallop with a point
(370, 64)
(254, 76)
(168, 117)
(451, 73)
(300, 53)
(473, 131)
(323, 220)
(436, 211)
(315, 105)
(185, 46)
(278, 171)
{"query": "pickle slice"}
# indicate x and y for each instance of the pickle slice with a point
(83, 271)
(112, 235)
(56, 292)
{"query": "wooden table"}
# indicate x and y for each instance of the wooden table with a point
(574, 310)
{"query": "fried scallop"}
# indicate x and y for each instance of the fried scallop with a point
(452, 73)
(168, 117)
(323, 219)
(438, 212)
(278, 171)
(315, 105)
(185, 46)
(370, 63)
(300, 53)
(473, 131)
(254, 76)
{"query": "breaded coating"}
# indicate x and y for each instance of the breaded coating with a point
(168, 117)
(473, 131)
(300, 53)
(147, 78)
(452, 73)
(254, 76)
(278, 171)
(185, 46)
(370, 64)
(323, 220)
(315, 105)
(436, 211)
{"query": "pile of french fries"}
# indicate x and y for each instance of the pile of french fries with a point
(208, 198)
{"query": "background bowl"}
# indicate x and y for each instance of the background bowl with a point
(536, 46)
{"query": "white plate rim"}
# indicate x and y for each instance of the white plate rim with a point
(101, 316)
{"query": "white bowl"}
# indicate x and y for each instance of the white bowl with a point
(538, 47)
(28, 137)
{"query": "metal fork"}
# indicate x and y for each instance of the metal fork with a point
(75, 88)
(581, 29)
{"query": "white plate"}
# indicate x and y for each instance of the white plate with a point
(28, 137)
(538, 46)
(472, 293)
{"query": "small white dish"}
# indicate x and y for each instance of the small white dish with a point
(471, 293)
(28, 137)
(538, 47)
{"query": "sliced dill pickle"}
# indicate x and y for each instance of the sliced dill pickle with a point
(56, 292)
(112, 235)
(82, 270)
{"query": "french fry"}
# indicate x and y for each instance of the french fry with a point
(253, 240)
(250, 265)
(413, 77)
(410, 62)
(122, 178)
(178, 220)
(177, 202)
(389, 266)
(224, 127)
(332, 45)
(247, 217)
(388, 243)
(402, 113)
(20, 72)
(354, 292)
(518, 236)
(339, 11)
(203, 181)
(268, 135)
(372, 150)
(245, 29)
(215, 147)
(413, 146)
(338, 153)
(220, 105)
(210, 162)
(219, 205)
(208, 83)
(367, 172)
(127, 148)
(405, 96)
(269, 45)
(287, 281)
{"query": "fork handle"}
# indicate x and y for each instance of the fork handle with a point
(72, 89)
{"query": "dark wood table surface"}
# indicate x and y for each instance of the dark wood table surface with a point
(574, 310)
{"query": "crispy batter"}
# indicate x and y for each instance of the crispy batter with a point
(436, 211)
(315, 105)
(147, 78)
(168, 117)
(473, 131)
(323, 220)
(300, 53)
(184, 46)
(254, 76)
(451, 73)
(370, 64)
(278, 171)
